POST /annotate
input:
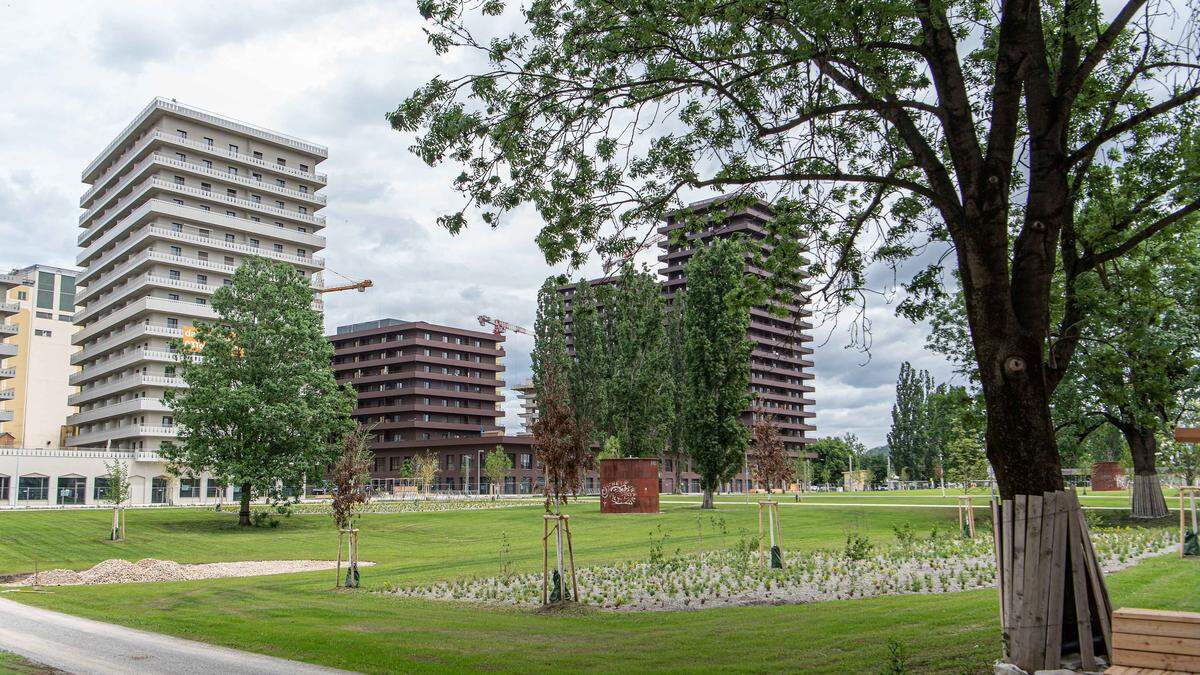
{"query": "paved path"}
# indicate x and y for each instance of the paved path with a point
(78, 645)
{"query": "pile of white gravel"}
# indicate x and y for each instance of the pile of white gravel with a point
(146, 570)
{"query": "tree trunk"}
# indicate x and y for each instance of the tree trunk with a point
(678, 474)
(244, 511)
(1020, 437)
(707, 502)
(1147, 500)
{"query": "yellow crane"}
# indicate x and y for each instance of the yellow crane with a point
(360, 286)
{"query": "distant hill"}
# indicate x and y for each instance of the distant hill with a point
(880, 451)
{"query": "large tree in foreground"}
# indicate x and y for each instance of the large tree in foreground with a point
(878, 126)
(262, 409)
(716, 358)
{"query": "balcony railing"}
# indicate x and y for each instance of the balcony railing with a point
(132, 332)
(9, 307)
(135, 356)
(108, 278)
(175, 139)
(138, 237)
(7, 373)
(121, 431)
(173, 187)
(138, 285)
(209, 118)
(136, 307)
(8, 329)
(131, 382)
(128, 407)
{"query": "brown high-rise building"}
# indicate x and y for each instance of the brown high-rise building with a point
(433, 389)
(778, 376)
(779, 379)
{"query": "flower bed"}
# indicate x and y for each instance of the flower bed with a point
(738, 577)
(414, 505)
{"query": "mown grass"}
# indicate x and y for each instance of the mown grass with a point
(300, 616)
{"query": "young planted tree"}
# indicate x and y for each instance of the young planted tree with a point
(262, 408)
(425, 469)
(496, 466)
(639, 385)
(350, 479)
(768, 456)
(717, 363)
(116, 492)
(965, 462)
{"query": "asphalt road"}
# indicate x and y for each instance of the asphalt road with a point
(78, 645)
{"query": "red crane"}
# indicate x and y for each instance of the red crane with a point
(499, 327)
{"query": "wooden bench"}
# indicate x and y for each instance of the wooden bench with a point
(1147, 641)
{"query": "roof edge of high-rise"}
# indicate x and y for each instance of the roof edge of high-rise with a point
(163, 105)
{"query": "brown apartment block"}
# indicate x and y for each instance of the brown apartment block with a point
(431, 389)
(778, 365)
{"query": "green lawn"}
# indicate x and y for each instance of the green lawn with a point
(11, 664)
(300, 616)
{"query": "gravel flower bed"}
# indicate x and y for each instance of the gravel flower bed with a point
(416, 505)
(146, 570)
(738, 577)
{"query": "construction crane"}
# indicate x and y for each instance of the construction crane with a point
(499, 327)
(360, 286)
(616, 263)
(352, 285)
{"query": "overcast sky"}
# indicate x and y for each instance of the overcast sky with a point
(77, 73)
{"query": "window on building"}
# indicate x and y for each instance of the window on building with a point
(40, 332)
(233, 149)
(71, 489)
(172, 322)
(181, 157)
(22, 295)
(158, 490)
(179, 180)
(510, 485)
(279, 248)
(208, 141)
(178, 201)
(229, 259)
(231, 213)
(304, 209)
(66, 317)
(205, 207)
(449, 463)
(526, 460)
(526, 485)
(304, 189)
(202, 279)
(281, 161)
(5, 486)
(229, 238)
(169, 371)
(175, 250)
(181, 132)
(33, 489)
(231, 192)
(100, 488)
(207, 187)
(279, 203)
(233, 171)
(213, 489)
(168, 421)
(189, 488)
(304, 168)
(172, 296)
(280, 182)
(254, 243)
(303, 253)
(45, 290)
(173, 274)
(256, 176)
(257, 154)
(257, 199)
(201, 301)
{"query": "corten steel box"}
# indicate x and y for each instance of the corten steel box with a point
(629, 486)
(1107, 477)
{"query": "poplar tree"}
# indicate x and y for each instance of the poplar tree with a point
(639, 396)
(592, 367)
(907, 438)
(716, 356)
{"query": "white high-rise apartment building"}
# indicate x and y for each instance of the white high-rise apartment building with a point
(7, 349)
(176, 202)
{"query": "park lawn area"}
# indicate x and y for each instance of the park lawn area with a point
(11, 664)
(299, 616)
(980, 497)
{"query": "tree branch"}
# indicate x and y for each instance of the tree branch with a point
(1112, 132)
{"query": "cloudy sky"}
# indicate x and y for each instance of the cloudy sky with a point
(76, 74)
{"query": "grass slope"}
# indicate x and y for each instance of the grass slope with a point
(301, 617)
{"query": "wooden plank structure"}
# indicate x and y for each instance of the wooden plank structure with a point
(1053, 600)
(1155, 642)
(966, 516)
